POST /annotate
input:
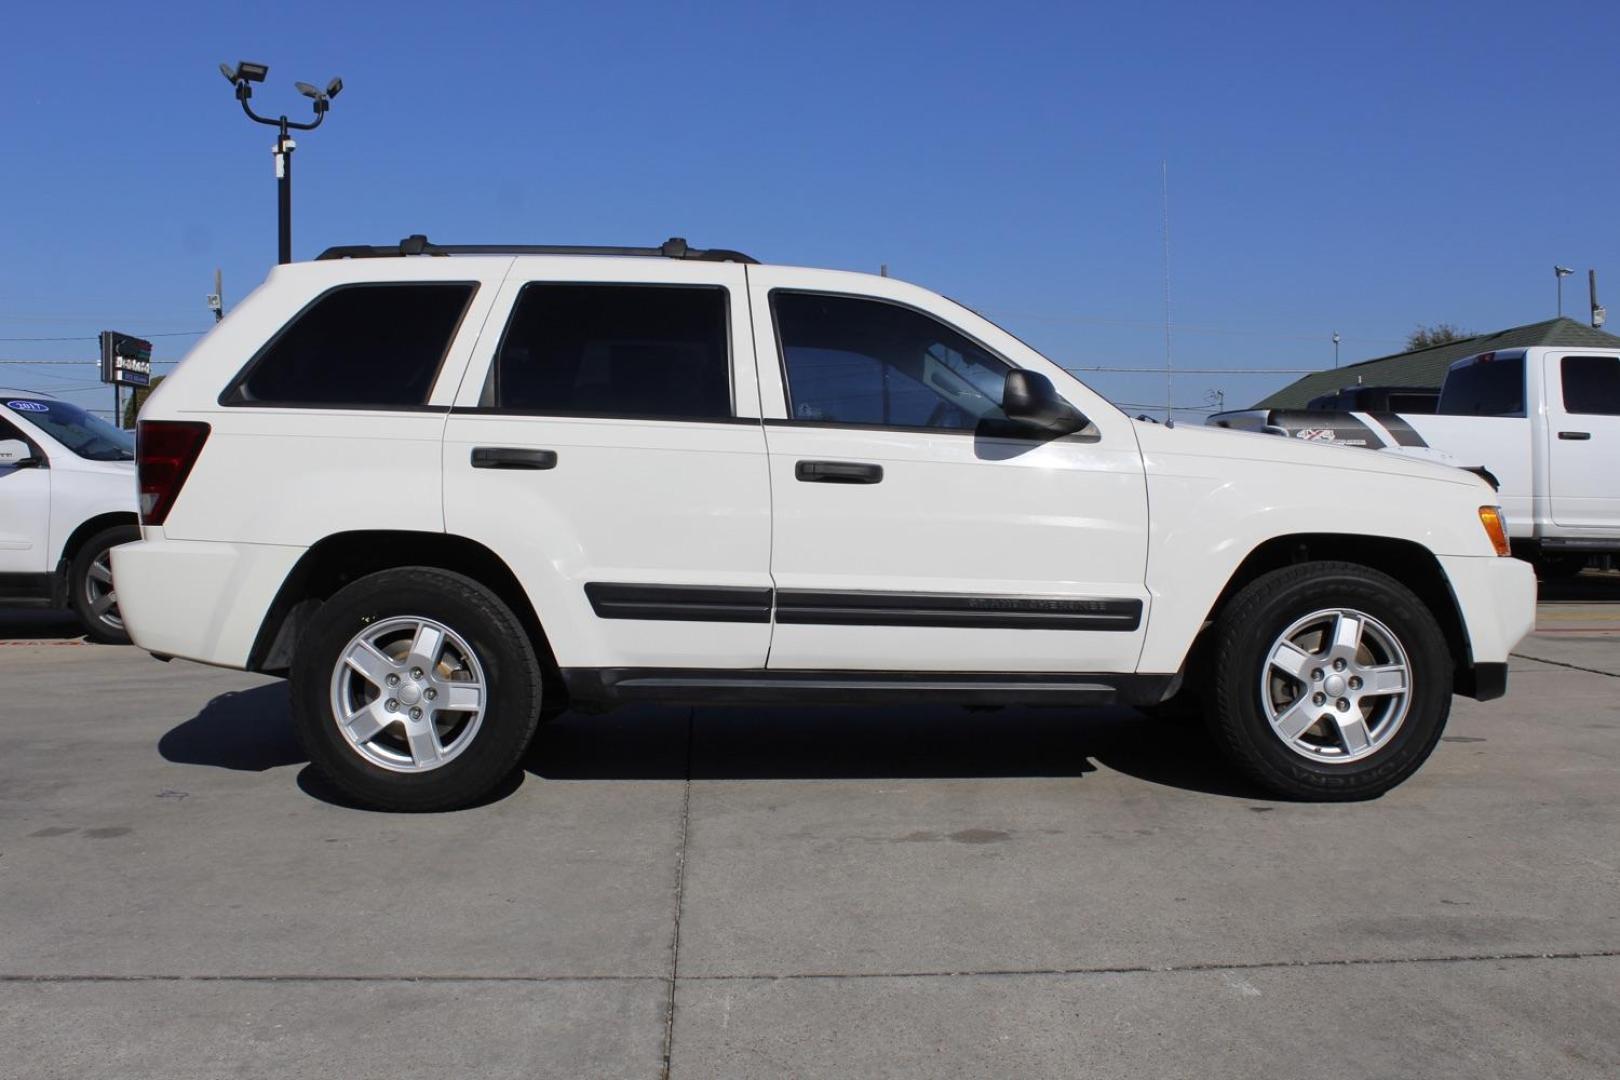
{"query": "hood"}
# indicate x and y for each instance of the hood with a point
(1231, 444)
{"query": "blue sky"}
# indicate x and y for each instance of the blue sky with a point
(1361, 168)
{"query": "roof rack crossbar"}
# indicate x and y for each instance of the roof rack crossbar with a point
(673, 248)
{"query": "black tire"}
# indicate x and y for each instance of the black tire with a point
(89, 596)
(1259, 615)
(511, 671)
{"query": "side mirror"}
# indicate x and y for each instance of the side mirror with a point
(14, 454)
(1030, 400)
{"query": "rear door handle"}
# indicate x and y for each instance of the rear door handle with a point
(1575, 436)
(512, 457)
(838, 472)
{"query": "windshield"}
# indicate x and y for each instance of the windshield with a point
(84, 433)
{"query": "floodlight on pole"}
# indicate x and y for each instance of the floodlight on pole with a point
(1560, 273)
(242, 76)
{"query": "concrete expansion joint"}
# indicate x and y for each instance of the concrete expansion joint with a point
(1116, 969)
(1562, 664)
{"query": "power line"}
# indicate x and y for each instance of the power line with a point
(68, 363)
(1189, 370)
(93, 337)
(1180, 328)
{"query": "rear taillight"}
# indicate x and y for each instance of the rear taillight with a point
(165, 451)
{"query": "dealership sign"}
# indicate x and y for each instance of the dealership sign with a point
(125, 360)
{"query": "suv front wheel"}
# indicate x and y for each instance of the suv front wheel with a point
(415, 689)
(1332, 681)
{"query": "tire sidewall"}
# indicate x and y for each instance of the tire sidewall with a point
(1244, 654)
(494, 635)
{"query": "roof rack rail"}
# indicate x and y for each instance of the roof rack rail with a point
(673, 248)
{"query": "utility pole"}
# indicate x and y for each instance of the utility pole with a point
(1560, 273)
(1599, 316)
(216, 299)
(242, 76)
(1335, 348)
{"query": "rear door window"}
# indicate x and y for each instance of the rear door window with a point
(1591, 385)
(358, 346)
(1485, 388)
(657, 352)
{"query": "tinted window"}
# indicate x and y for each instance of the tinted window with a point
(366, 345)
(855, 361)
(1591, 385)
(1412, 403)
(82, 432)
(1485, 388)
(616, 350)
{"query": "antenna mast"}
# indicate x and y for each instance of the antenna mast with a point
(1169, 363)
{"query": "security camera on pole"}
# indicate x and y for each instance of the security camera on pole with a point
(242, 76)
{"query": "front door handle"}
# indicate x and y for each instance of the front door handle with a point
(838, 472)
(1575, 436)
(512, 457)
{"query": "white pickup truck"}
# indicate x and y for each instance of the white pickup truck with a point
(1543, 422)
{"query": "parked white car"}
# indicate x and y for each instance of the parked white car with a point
(67, 497)
(452, 495)
(1543, 422)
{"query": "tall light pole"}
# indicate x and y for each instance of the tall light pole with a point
(242, 76)
(1335, 348)
(1560, 273)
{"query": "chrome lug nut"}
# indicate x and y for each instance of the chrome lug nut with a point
(430, 693)
(416, 673)
(393, 680)
(1338, 665)
(1318, 699)
(1355, 682)
(393, 705)
(416, 713)
(1316, 675)
(1344, 705)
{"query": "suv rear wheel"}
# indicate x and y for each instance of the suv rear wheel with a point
(1333, 681)
(415, 689)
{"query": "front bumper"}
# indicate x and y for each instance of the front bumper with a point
(1497, 600)
(196, 599)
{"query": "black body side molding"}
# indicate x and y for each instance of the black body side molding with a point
(680, 603)
(804, 606)
(760, 686)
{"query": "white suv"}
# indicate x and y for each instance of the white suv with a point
(67, 497)
(453, 495)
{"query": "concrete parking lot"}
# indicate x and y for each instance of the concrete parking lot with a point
(736, 893)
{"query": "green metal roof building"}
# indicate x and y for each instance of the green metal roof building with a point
(1427, 367)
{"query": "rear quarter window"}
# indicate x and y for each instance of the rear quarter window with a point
(357, 346)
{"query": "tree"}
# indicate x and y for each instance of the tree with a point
(1427, 337)
(137, 398)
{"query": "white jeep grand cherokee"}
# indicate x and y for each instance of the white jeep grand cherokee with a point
(451, 496)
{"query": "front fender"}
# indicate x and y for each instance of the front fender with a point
(1216, 496)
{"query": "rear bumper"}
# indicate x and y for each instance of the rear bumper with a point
(1497, 600)
(198, 600)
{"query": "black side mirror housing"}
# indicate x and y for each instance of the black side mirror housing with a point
(1030, 400)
